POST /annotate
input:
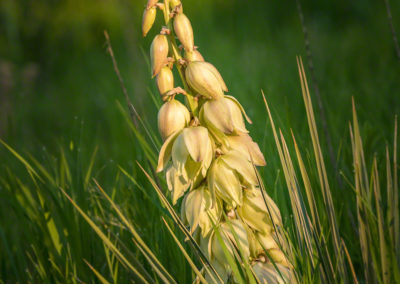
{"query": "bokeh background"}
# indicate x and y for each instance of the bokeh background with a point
(55, 72)
(58, 88)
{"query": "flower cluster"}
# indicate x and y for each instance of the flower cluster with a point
(208, 155)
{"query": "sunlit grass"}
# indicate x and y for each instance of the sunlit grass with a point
(61, 225)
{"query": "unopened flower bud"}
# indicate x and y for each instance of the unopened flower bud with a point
(149, 16)
(198, 210)
(174, 3)
(158, 53)
(173, 116)
(255, 213)
(217, 75)
(227, 175)
(194, 55)
(184, 32)
(203, 80)
(244, 144)
(151, 3)
(165, 80)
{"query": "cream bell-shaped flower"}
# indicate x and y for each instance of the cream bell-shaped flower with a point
(173, 116)
(223, 117)
(158, 53)
(197, 210)
(205, 246)
(245, 145)
(267, 272)
(259, 243)
(228, 174)
(234, 236)
(177, 184)
(255, 213)
(202, 77)
(191, 151)
(184, 32)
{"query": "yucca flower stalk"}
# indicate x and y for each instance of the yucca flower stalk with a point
(209, 157)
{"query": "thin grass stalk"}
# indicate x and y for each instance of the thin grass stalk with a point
(360, 186)
(178, 221)
(324, 183)
(98, 274)
(159, 268)
(381, 225)
(192, 265)
(106, 240)
(396, 218)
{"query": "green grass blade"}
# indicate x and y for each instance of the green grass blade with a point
(105, 239)
(98, 274)
(159, 268)
(190, 261)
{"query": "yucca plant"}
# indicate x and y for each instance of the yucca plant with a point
(213, 158)
(228, 229)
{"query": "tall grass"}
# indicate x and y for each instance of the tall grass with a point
(71, 230)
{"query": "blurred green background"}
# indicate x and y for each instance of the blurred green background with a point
(55, 72)
(58, 89)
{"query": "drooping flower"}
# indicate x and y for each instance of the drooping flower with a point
(198, 211)
(228, 174)
(255, 213)
(245, 145)
(223, 117)
(191, 152)
(234, 236)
